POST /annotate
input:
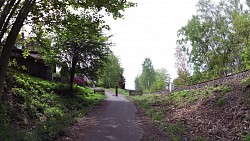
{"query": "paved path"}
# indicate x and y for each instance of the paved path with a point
(115, 121)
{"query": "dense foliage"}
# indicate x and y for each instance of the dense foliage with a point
(36, 109)
(214, 43)
(112, 73)
(151, 79)
(43, 16)
(82, 45)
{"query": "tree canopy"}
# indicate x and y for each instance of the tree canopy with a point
(46, 15)
(151, 79)
(112, 73)
(215, 40)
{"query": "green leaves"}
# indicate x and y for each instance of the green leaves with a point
(111, 73)
(216, 39)
(151, 79)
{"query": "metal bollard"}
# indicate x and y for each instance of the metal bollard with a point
(116, 89)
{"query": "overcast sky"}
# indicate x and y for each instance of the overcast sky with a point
(149, 30)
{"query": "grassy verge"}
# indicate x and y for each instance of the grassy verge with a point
(157, 107)
(152, 105)
(121, 91)
(35, 109)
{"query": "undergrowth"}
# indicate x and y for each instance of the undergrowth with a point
(158, 106)
(35, 109)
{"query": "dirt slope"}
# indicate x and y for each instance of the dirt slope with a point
(219, 116)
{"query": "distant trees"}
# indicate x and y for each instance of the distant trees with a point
(148, 74)
(151, 79)
(112, 73)
(162, 79)
(215, 41)
(182, 67)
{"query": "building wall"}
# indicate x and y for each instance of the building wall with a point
(34, 67)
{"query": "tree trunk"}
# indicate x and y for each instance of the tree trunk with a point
(10, 41)
(5, 12)
(1, 3)
(6, 23)
(72, 74)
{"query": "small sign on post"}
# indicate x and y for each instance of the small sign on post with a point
(116, 89)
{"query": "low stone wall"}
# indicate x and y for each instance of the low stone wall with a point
(135, 92)
(230, 79)
(99, 90)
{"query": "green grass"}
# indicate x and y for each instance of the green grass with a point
(175, 131)
(199, 139)
(246, 82)
(41, 110)
(151, 105)
(121, 91)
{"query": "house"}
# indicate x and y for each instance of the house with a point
(33, 64)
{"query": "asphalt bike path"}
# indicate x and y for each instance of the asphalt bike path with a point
(115, 121)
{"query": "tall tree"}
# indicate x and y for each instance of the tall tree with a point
(209, 39)
(147, 77)
(241, 25)
(182, 66)
(162, 80)
(148, 74)
(112, 73)
(16, 13)
(138, 85)
(151, 79)
(82, 45)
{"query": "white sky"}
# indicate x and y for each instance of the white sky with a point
(149, 30)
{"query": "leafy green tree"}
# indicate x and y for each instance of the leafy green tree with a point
(112, 73)
(241, 25)
(138, 85)
(82, 45)
(151, 79)
(146, 79)
(148, 74)
(209, 39)
(182, 66)
(162, 80)
(44, 13)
